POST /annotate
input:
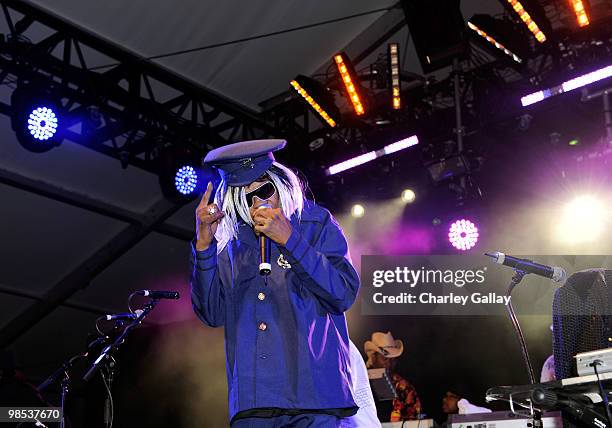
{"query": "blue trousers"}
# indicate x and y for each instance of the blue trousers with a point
(299, 421)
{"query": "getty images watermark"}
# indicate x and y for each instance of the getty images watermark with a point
(458, 285)
(420, 277)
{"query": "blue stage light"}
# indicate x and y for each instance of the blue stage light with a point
(42, 123)
(186, 180)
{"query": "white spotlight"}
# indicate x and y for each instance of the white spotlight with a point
(582, 220)
(408, 196)
(358, 211)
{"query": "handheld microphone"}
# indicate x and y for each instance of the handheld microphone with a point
(265, 267)
(159, 294)
(555, 273)
(125, 316)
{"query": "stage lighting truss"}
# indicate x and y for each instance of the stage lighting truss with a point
(137, 103)
(394, 75)
(494, 42)
(578, 6)
(570, 85)
(313, 103)
(350, 81)
(529, 22)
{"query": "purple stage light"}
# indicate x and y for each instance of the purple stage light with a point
(570, 85)
(351, 163)
(536, 97)
(463, 234)
(401, 145)
(587, 79)
(370, 156)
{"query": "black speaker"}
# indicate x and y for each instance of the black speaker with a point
(437, 29)
(582, 310)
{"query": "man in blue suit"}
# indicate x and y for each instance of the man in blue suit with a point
(287, 345)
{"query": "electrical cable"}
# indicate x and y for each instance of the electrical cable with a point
(110, 397)
(134, 294)
(257, 37)
(602, 391)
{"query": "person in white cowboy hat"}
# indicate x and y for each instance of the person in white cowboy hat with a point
(382, 351)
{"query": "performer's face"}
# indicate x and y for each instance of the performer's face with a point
(255, 201)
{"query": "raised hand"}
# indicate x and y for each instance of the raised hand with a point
(207, 220)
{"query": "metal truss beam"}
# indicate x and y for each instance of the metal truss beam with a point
(68, 304)
(139, 105)
(85, 202)
(81, 276)
(359, 48)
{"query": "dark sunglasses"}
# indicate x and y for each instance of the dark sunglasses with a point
(263, 192)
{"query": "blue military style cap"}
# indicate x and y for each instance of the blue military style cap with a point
(242, 163)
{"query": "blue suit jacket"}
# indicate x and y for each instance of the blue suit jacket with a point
(287, 344)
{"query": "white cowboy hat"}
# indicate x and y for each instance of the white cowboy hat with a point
(384, 344)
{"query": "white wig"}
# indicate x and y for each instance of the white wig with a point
(233, 202)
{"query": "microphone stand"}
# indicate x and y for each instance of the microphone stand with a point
(65, 385)
(107, 352)
(516, 279)
(63, 370)
(108, 408)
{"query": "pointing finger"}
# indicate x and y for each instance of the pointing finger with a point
(206, 196)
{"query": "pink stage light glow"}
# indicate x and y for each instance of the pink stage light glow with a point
(570, 85)
(370, 156)
(463, 234)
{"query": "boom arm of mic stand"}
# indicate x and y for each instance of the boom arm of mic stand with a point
(55, 376)
(108, 350)
(62, 370)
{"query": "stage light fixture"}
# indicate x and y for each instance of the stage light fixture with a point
(437, 30)
(186, 180)
(463, 234)
(370, 156)
(314, 95)
(351, 82)
(35, 118)
(400, 145)
(582, 220)
(408, 196)
(446, 168)
(181, 179)
(570, 85)
(582, 16)
(42, 123)
(528, 20)
(483, 26)
(357, 211)
(394, 75)
(182, 176)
